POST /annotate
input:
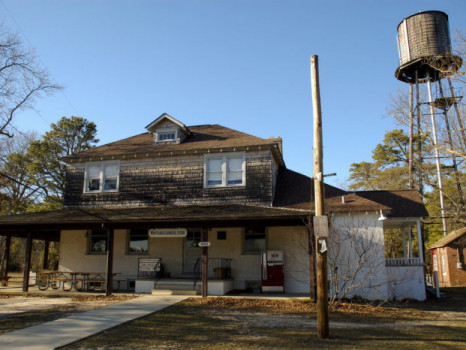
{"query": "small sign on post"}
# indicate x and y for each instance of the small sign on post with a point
(321, 226)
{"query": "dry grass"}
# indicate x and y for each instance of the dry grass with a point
(237, 323)
(242, 323)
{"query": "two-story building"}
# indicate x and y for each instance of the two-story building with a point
(146, 202)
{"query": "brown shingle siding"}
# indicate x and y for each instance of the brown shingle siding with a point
(172, 180)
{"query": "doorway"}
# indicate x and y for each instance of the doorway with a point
(192, 252)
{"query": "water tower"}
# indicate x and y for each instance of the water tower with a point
(427, 63)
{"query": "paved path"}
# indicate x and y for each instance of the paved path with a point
(67, 330)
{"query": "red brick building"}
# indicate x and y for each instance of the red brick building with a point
(448, 257)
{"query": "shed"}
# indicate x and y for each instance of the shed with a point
(448, 258)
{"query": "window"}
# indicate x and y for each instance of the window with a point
(102, 177)
(254, 240)
(224, 170)
(444, 265)
(97, 242)
(221, 235)
(138, 242)
(166, 135)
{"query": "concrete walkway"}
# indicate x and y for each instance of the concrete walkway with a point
(67, 330)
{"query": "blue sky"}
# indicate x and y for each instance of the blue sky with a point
(242, 64)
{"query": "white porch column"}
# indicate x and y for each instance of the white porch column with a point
(419, 241)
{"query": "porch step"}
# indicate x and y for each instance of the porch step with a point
(174, 292)
(176, 287)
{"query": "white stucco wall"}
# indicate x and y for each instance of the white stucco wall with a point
(406, 282)
(245, 267)
(356, 258)
(356, 233)
(294, 242)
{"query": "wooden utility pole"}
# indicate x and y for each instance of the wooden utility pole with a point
(321, 244)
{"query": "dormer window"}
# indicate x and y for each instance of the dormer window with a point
(166, 136)
(167, 130)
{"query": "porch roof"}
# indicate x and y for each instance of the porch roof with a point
(151, 217)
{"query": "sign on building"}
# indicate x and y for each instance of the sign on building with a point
(168, 232)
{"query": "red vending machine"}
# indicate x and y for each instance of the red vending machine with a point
(272, 271)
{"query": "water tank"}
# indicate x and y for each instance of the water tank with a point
(424, 48)
(422, 35)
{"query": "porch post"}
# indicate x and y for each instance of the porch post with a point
(410, 242)
(312, 265)
(45, 263)
(6, 261)
(404, 242)
(109, 262)
(27, 262)
(419, 241)
(205, 262)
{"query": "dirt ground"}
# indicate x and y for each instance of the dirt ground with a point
(19, 311)
(249, 323)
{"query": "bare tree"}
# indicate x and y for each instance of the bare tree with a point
(22, 80)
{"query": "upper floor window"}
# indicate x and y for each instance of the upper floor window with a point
(166, 136)
(224, 170)
(102, 177)
(169, 135)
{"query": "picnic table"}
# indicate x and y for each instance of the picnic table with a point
(78, 280)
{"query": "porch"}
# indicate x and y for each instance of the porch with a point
(219, 279)
(404, 258)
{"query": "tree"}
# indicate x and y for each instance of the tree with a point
(66, 137)
(389, 169)
(19, 186)
(22, 80)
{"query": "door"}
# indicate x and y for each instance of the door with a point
(192, 252)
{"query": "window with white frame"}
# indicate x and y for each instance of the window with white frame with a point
(102, 177)
(224, 170)
(167, 135)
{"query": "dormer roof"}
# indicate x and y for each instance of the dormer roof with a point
(152, 126)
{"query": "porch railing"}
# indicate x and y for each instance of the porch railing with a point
(403, 262)
(217, 269)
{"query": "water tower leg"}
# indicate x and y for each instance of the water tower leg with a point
(437, 156)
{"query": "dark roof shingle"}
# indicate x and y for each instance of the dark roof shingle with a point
(295, 190)
(202, 137)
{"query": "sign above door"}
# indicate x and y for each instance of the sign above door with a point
(168, 232)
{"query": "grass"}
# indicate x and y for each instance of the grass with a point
(241, 323)
(232, 323)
